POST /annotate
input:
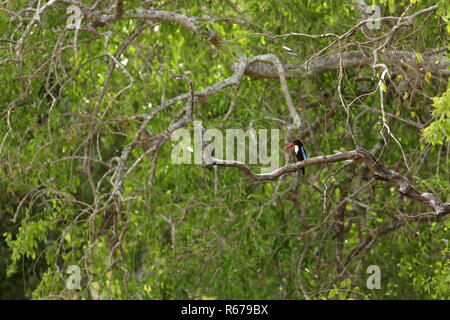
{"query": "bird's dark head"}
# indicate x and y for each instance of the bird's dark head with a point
(296, 142)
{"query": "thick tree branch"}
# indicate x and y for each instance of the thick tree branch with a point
(359, 155)
(437, 65)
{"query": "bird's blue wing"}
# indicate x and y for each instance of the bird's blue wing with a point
(304, 153)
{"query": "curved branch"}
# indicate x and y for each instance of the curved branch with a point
(234, 80)
(437, 65)
(359, 155)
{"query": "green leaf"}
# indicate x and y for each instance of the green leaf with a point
(419, 58)
(332, 293)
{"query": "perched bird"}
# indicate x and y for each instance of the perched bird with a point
(299, 150)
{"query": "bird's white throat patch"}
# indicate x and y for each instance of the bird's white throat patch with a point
(296, 149)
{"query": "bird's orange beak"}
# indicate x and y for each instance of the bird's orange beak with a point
(289, 146)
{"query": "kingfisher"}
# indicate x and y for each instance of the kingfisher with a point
(299, 150)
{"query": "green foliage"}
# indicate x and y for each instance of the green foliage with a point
(438, 131)
(345, 292)
(182, 237)
(438, 285)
